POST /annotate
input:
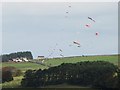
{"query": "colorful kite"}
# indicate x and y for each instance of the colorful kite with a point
(87, 25)
(96, 33)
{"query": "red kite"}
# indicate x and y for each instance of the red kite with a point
(87, 25)
(96, 33)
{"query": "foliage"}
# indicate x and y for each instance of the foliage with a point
(6, 76)
(15, 72)
(96, 74)
(7, 57)
(9, 72)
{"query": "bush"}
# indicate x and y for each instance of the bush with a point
(7, 57)
(9, 72)
(15, 72)
(6, 76)
(29, 79)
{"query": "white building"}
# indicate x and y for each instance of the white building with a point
(25, 59)
(17, 60)
(40, 57)
(20, 59)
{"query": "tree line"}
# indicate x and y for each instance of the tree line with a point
(98, 74)
(7, 57)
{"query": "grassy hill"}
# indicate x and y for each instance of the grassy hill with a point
(57, 61)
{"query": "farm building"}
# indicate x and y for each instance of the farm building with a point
(25, 59)
(40, 57)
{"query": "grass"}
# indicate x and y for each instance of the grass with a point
(24, 65)
(12, 84)
(53, 62)
(57, 61)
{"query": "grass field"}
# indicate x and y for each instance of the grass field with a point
(53, 62)
(24, 65)
(57, 61)
(13, 84)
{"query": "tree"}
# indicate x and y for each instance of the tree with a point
(95, 73)
(6, 76)
(7, 57)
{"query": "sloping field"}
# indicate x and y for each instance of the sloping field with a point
(57, 61)
(24, 65)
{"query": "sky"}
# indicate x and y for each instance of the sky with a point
(45, 27)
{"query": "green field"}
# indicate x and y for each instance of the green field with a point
(113, 59)
(57, 61)
(53, 62)
(13, 84)
(24, 65)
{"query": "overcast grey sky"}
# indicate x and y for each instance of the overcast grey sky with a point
(38, 27)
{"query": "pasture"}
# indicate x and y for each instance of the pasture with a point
(23, 66)
(57, 61)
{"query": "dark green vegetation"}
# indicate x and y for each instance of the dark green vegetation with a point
(7, 57)
(6, 76)
(98, 74)
(9, 72)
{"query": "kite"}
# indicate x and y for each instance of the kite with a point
(91, 19)
(75, 42)
(60, 50)
(67, 12)
(53, 51)
(87, 25)
(78, 46)
(69, 6)
(96, 33)
(61, 55)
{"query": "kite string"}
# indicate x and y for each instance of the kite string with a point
(52, 52)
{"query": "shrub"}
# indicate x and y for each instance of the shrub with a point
(6, 76)
(9, 72)
(29, 79)
(15, 72)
